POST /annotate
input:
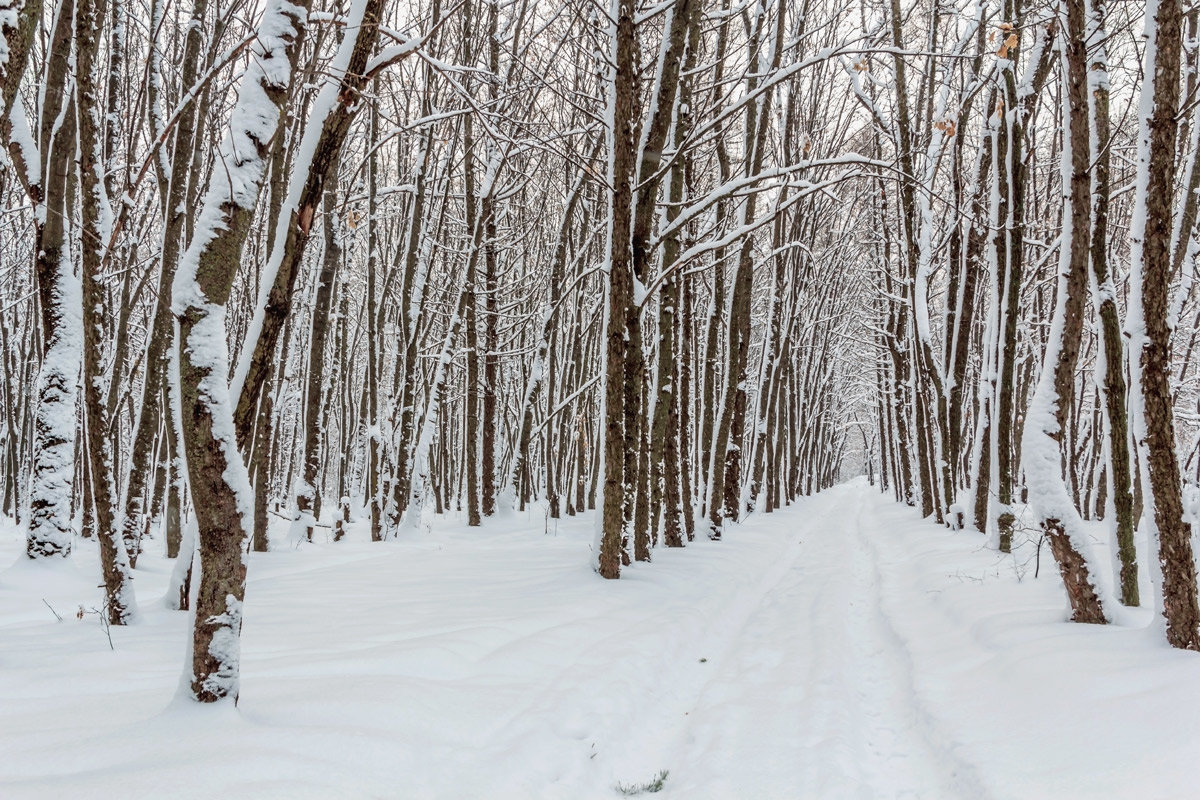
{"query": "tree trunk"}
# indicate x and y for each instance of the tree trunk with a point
(1152, 339)
(217, 475)
(622, 168)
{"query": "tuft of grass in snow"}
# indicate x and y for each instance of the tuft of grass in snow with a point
(649, 787)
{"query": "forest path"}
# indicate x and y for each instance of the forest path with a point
(841, 648)
(819, 677)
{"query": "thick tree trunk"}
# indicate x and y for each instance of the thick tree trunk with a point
(1151, 256)
(1045, 436)
(52, 472)
(222, 502)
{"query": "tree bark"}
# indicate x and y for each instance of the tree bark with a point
(1151, 252)
(217, 475)
(622, 168)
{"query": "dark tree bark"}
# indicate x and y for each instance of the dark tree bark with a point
(470, 303)
(114, 560)
(1175, 555)
(623, 167)
(1048, 493)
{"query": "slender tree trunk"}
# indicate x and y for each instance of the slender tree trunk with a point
(1114, 390)
(622, 167)
(308, 495)
(114, 560)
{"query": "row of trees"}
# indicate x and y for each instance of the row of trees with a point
(393, 260)
(676, 262)
(1047, 205)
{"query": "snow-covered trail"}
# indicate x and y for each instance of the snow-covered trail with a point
(822, 681)
(841, 648)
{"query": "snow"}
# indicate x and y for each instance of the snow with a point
(392, 54)
(839, 648)
(22, 142)
(9, 15)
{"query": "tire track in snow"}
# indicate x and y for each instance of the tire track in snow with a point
(916, 759)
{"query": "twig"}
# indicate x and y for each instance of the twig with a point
(52, 611)
(103, 621)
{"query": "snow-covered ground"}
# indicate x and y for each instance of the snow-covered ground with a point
(839, 649)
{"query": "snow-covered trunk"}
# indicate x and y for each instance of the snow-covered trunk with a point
(308, 495)
(769, 358)
(176, 473)
(725, 489)
(334, 407)
(637, 433)
(967, 246)
(639, 453)
(939, 386)
(985, 456)
(1183, 229)
(1149, 323)
(179, 587)
(471, 198)
(1008, 247)
(1110, 360)
(970, 296)
(18, 25)
(52, 474)
(710, 393)
(223, 502)
(668, 493)
(491, 322)
(1044, 439)
(260, 468)
(477, 226)
(916, 378)
(683, 395)
(416, 258)
(371, 469)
